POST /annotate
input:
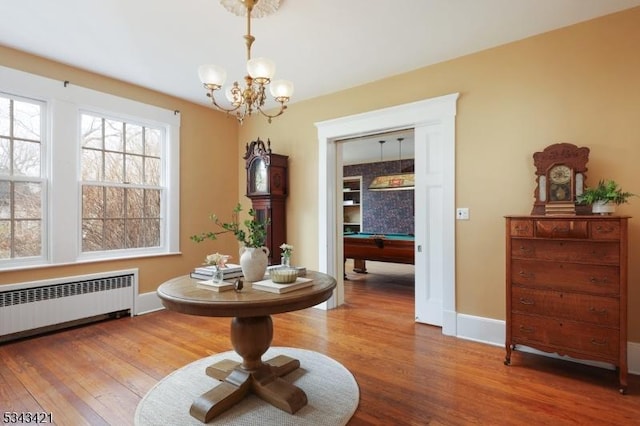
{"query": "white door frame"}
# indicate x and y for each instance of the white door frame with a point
(433, 121)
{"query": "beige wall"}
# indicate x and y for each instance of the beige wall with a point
(579, 84)
(208, 180)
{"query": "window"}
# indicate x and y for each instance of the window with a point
(22, 188)
(121, 177)
(84, 176)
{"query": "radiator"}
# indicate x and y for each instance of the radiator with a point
(38, 306)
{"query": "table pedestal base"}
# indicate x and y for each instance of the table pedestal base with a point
(237, 383)
(250, 337)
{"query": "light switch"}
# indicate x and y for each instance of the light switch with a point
(462, 213)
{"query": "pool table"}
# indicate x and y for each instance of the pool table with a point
(363, 246)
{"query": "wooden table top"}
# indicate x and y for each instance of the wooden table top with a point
(181, 294)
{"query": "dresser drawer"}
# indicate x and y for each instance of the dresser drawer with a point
(561, 305)
(562, 228)
(574, 337)
(605, 230)
(607, 253)
(594, 279)
(521, 228)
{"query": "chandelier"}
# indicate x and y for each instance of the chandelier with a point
(250, 98)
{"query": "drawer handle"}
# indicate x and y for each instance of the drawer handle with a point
(562, 229)
(602, 311)
(527, 301)
(527, 329)
(525, 249)
(599, 281)
(524, 274)
(599, 342)
(605, 230)
(521, 228)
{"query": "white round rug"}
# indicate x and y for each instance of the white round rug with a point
(332, 394)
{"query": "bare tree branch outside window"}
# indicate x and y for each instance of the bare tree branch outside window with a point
(21, 182)
(121, 184)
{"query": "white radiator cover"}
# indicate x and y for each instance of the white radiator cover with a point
(37, 304)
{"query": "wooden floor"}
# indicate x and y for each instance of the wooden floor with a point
(408, 373)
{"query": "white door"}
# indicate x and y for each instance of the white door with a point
(434, 223)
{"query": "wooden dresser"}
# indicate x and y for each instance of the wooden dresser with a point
(567, 287)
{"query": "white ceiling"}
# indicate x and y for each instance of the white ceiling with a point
(322, 46)
(368, 149)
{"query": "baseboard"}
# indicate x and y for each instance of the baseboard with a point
(633, 357)
(147, 302)
(449, 323)
(479, 329)
(492, 332)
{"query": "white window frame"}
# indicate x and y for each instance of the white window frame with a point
(44, 181)
(63, 215)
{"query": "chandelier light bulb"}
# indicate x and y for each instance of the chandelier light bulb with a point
(261, 69)
(281, 90)
(212, 76)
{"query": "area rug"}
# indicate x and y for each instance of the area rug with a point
(332, 394)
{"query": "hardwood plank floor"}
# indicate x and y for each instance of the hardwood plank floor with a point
(408, 373)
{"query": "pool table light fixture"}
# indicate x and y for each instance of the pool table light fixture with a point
(393, 182)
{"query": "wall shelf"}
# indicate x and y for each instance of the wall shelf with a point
(352, 204)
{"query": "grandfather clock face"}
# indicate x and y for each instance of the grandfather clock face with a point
(258, 177)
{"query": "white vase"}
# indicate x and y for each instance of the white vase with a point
(253, 261)
(603, 208)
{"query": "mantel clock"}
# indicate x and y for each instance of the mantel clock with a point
(560, 176)
(267, 188)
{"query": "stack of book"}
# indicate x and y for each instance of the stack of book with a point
(271, 287)
(214, 286)
(206, 272)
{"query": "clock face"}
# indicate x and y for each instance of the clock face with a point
(560, 183)
(258, 176)
(560, 174)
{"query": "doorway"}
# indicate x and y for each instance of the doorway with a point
(434, 123)
(378, 207)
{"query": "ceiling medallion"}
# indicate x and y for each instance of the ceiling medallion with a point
(261, 9)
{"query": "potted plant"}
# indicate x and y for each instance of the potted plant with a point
(253, 253)
(604, 197)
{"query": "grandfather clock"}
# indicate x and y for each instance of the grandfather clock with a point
(267, 188)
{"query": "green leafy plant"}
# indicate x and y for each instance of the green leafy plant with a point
(606, 191)
(254, 236)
